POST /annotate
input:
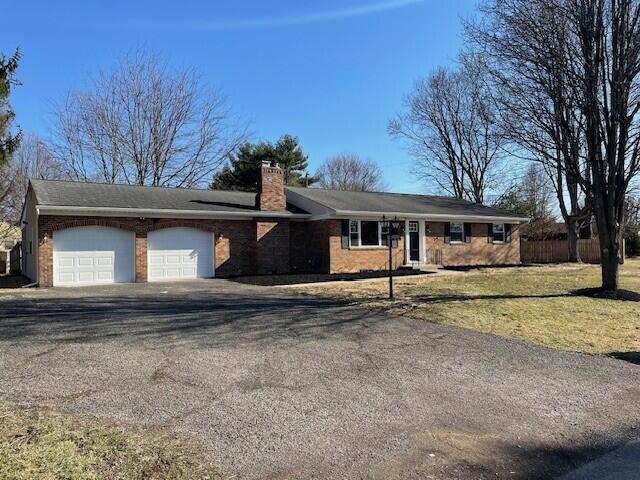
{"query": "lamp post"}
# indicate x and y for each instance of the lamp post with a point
(393, 230)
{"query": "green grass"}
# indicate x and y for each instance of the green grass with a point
(536, 304)
(36, 444)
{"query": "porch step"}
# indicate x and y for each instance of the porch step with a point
(425, 267)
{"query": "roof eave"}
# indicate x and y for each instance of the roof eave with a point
(160, 213)
(431, 216)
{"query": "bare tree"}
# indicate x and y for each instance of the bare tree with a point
(451, 128)
(350, 172)
(32, 159)
(531, 196)
(145, 123)
(583, 59)
(525, 48)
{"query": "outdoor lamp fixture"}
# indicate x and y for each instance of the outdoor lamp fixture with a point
(393, 232)
(219, 237)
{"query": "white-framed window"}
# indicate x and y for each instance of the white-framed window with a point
(413, 227)
(354, 233)
(498, 232)
(367, 233)
(457, 232)
(384, 233)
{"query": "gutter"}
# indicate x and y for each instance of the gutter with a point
(165, 213)
(159, 213)
(431, 216)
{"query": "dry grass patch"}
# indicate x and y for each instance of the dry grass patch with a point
(37, 444)
(537, 304)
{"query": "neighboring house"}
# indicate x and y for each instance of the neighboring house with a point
(88, 233)
(9, 236)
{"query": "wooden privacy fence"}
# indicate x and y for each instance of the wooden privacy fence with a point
(556, 251)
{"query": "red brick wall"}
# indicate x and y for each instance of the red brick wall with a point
(299, 260)
(271, 195)
(273, 246)
(266, 246)
(359, 258)
(45, 260)
(309, 246)
(141, 258)
(478, 252)
(235, 252)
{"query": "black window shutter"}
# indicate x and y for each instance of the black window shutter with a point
(467, 232)
(490, 233)
(345, 234)
(507, 232)
(447, 232)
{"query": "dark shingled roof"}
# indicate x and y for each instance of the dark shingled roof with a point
(83, 194)
(398, 203)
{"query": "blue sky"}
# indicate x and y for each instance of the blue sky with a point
(332, 72)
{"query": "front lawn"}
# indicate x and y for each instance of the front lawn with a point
(536, 304)
(35, 444)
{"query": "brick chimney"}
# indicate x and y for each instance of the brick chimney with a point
(271, 195)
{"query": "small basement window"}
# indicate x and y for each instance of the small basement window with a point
(457, 232)
(498, 232)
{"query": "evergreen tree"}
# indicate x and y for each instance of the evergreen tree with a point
(243, 170)
(8, 142)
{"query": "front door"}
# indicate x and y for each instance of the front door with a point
(414, 242)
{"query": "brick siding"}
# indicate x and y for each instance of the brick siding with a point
(477, 252)
(271, 196)
(273, 246)
(245, 247)
(359, 258)
(235, 252)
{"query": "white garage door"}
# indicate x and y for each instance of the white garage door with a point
(180, 253)
(92, 256)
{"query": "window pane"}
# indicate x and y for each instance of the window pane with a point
(354, 237)
(384, 232)
(457, 232)
(498, 232)
(369, 234)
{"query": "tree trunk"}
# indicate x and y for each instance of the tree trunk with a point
(572, 240)
(610, 266)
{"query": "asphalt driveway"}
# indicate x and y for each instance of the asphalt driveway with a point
(281, 386)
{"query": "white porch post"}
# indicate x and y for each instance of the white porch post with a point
(423, 243)
(406, 243)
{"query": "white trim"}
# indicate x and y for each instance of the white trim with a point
(380, 245)
(417, 216)
(421, 243)
(338, 214)
(159, 213)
